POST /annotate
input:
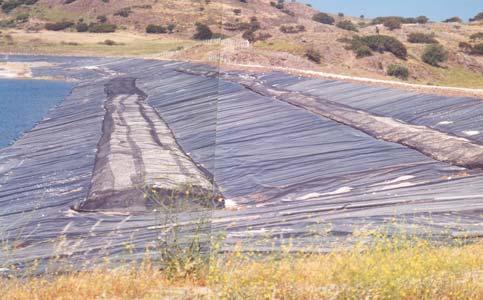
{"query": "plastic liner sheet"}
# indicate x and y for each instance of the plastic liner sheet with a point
(284, 172)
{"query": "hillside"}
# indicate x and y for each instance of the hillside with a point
(282, 35)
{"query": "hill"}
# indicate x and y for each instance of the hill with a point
(279, 34)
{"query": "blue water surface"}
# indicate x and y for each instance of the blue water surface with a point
(23, 103)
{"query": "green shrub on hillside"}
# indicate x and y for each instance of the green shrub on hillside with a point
(434, 54)
(59, 25)
(356, 44)
(313, 55)
(421, 38)
(9, 5)
(292, 28)
(477, 49)
(22, 18)
(323, 18)
(155, 29)
(363, 51)
(203, 32)
(422, 20)
(382, 43)
(171, 27)
(82, 27)
(102, 28)
(123, 12)
(7, 23)
(363, 46)
(381, 20)
(347, 25)
(402, 20)
(478, 17)
(398, 71)
(476, 36)
(465, 47)
(253, 26)
(453, 20)
(392, 23)
(101, 19)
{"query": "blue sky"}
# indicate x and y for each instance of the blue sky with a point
(434, 9)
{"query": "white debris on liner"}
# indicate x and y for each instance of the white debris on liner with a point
(471, 132)
(231, 204)
(399, 179)
(445, 123)
(398, 185)
(342, 190)
(102, 69)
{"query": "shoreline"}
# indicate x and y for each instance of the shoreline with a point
(450, 91)
(23, 71)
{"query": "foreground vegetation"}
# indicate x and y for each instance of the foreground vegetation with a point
(386, 269)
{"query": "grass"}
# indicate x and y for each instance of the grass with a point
(73, 43)
(386, 269)
(281, 45)
(459, 77)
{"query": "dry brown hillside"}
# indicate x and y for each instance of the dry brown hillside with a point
(282, 35)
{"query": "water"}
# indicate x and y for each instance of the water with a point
(23, 103)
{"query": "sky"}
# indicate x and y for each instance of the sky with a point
(436, 10)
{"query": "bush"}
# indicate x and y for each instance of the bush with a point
(58, 26)
(476, 36)
(102, 28)
(292, 28)
(381, 20)
(109, 43)
(155, 29)
(9, 5)
(347, 25)
(7, 23)
(101, 19)
(434, 54)
(252, 36)
(402, 20)
(123, 12)
(478, 17)
(288, 12)
(453, 20)
(22, 18)
(477, 49)
(392, 23)
(203, 32)
(313, 55)
(362, 51)
(465, 47)
(357, 45)
(171, 27)
(422, 20)
(421, 38)
(82, 27)
(323, 18)
(398, 71)
(383, 43)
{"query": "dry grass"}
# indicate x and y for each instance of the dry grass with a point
(279, 45)
(459, 77)
(388, 269)
(73, 43)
